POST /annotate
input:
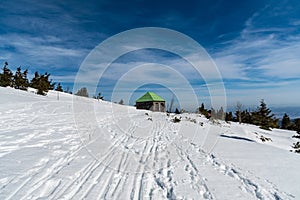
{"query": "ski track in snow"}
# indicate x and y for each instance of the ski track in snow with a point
(130, 168)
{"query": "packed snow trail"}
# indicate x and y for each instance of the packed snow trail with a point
(122, 153)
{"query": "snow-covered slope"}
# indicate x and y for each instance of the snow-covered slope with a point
(79, 148)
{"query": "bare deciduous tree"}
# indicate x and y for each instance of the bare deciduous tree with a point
(82, 92)
(239, 107)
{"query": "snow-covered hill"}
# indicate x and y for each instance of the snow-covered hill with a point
(64, 147)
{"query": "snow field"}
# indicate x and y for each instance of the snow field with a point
(79, 148)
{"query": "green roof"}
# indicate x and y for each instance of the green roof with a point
(150, 96)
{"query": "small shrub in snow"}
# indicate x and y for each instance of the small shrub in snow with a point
(177, 111)
(265, 139)
(191, 120)
(297, 147)
(214, 121)
(296, 136)
(121, 102)
(176, 120)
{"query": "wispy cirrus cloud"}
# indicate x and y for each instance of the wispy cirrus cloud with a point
(264, 57)
(45, 36)
(42, 53)
(263, 61)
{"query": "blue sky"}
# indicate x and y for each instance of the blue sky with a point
(254, 44)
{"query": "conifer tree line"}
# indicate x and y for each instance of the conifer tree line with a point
(261, 117)
(19, 80)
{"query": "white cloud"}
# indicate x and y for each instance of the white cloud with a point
(295, 22)
(64, 78)
(44, 53)
(38, 46)
(262, 63)
(270, 52)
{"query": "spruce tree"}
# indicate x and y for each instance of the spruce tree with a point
(46, 83)
(246, 117)
(228, 117)
(59, 88)
(99, 96)
(6, 77)
(25, 82)
(286, 122)
(121, 102)
(17, 78)
(296, 125)
(203, 111)
(41, 83)
(20, 80)
(263, 117)
(35, 80)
